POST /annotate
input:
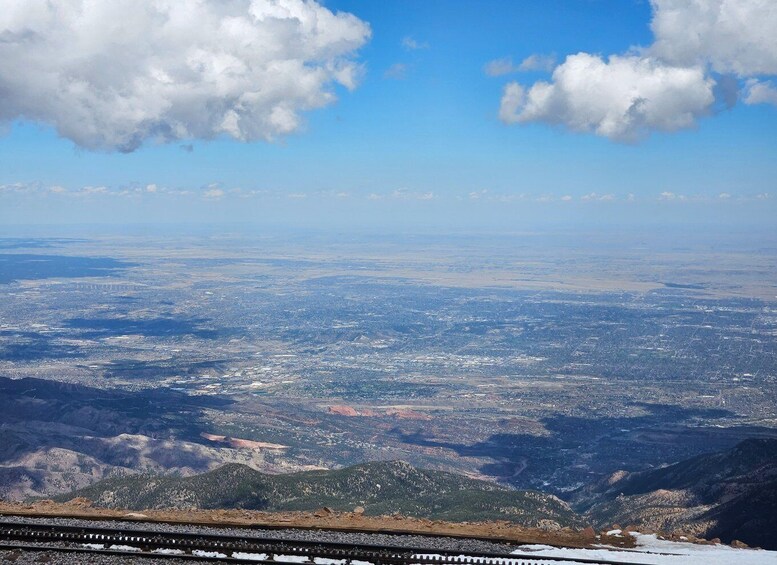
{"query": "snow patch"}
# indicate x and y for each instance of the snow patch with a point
(166, 551)
(250, 556)
(201, 553)
(653, 551)
(291, 558)
(124, 548)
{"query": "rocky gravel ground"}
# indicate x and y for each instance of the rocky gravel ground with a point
(38, 557)
(409, 529)
(429, 542)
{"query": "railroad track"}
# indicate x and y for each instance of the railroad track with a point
(246, 549)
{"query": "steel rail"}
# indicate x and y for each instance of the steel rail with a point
(275, 550)
(124, 553)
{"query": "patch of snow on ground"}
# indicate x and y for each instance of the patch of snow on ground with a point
(250, 556)
(291, 558)
(93, 545)
(165, 551)
(201, 553)
(653, 551)
(124, 548)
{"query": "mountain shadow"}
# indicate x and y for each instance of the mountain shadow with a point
(578, 451)
(729, 494)
(26, 266)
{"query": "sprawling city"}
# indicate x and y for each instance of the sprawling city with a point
(536, 368)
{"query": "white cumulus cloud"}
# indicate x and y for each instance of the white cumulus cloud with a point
(622, 98)
(111, 75)
(738, 36)
(513, 102)
(759, 92)
(702, 49)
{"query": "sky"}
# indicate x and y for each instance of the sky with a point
(439, 115)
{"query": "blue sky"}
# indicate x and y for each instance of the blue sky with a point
(417, 141)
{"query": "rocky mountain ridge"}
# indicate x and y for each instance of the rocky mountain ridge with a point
(379, 488)
(729, 495)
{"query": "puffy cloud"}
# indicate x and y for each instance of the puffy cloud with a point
(666, 86)
(513, 101)
(738, 36)
(622, 98)
(111, 75)
(758, 92)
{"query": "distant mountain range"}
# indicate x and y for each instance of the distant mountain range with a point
(729, 495)
(56, 437)
(378, 487)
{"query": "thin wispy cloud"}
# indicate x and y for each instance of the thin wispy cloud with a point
(412, 44)
(480, 197)
(506, 66)
(213, 192)
(594, 196)
(397, 71)
(407, 194)
(17, 188)
(500, 67)
(538, 62)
